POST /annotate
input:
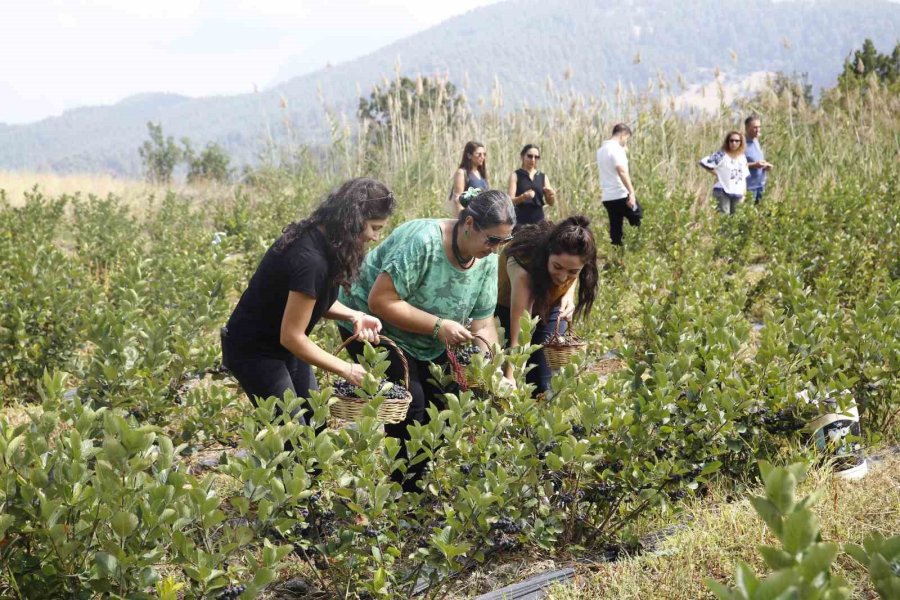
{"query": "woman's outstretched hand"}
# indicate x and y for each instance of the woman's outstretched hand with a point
(566, 308)
(453, 333)
(354, 373)
(366, 328)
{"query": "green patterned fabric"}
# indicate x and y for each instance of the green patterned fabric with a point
(413, 255)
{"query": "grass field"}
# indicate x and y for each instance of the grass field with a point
(113, 410)
(720, 531)
(18, 184)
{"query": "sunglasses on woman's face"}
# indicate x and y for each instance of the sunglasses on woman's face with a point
(493, 240)
(734, 141)
(533, 156)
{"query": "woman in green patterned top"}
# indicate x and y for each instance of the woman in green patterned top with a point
(425, 282)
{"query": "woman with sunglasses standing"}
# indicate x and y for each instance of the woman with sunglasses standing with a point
(530, 189)
(472, 173)
(729, 165)
(425, 282)
(538, 272)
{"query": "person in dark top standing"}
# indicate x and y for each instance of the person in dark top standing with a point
(530, 189)
(472, 173)
(756, 159)
(265, 344)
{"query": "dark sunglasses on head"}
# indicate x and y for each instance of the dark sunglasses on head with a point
(534, 156)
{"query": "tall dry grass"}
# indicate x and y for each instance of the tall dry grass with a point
(421, 153)
(18, 184)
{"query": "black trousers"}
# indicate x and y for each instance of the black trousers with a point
(541, 374)
(262, 376)
(618, 211)
(424, 393)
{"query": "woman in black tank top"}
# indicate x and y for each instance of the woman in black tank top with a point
(530, 189)
(472, 173)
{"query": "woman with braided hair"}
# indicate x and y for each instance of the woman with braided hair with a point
(538, 273)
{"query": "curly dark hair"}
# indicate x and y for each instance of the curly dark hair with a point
(534, 245)
(342, 217)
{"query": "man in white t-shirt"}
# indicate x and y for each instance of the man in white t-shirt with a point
(615, 182)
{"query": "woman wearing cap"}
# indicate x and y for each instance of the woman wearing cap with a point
(425, 282)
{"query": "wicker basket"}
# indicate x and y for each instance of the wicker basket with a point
(558, 352)
(459, 371)
(392, 410)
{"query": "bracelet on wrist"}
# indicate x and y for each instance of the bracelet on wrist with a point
(437, 327)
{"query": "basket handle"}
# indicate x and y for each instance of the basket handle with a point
(476, 336)
(454, 363)
(570, 332)
(391, 343)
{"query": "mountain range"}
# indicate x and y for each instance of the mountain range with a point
(586, 46)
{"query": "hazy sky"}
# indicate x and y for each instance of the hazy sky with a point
(58, 54)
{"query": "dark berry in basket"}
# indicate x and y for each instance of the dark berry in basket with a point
(342, 387)
(464, 353)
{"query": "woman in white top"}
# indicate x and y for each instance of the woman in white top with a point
(730, 168)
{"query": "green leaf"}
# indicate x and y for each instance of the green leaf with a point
(886, 583)
(890, 548)
(123, 523)
(746, 580)
(6, 522)
(765, 470)
(777, 586)
(780, 489)
(12, 447)
(722, 592)
(776, 558)
(818, 560)
(114, 451)
(812, 499)
(801, 528)
(857, 553)
(106, 563)
(769, 513)
(798, 470)
(711, 468)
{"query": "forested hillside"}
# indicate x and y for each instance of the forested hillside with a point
(524, 46)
